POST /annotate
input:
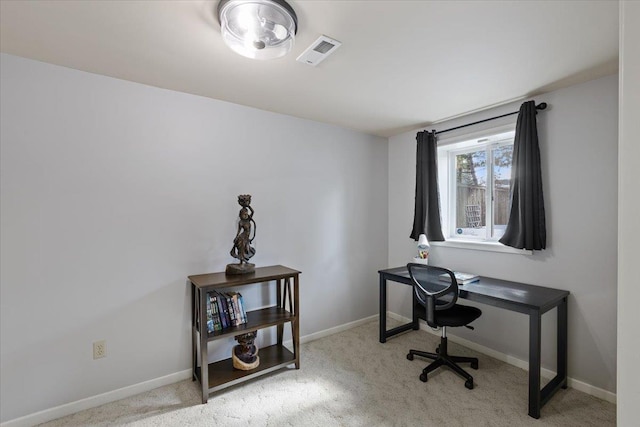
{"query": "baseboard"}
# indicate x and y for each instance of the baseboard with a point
(122, 393)
(94, 401)
(337, 329)
(545, 373)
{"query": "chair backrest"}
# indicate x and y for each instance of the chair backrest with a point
(435, 287)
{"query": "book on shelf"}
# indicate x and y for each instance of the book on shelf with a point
(231, 308)
(461, 278)
(242, 310)
(213, 317)
(241, 316)
(209, 316)
(215, 314)
(234, 301)
(224, 311)
(236, 304)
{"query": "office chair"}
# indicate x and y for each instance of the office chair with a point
(436, 291)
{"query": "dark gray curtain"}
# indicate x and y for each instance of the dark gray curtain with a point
(526, 227)
(426, 215)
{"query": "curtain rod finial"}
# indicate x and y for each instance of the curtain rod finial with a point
(541, 106)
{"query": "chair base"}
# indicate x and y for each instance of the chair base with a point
(442, 358)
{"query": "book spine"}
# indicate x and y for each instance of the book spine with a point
(217, 325)
(227, 313)
(232, 313)
(209, 314)
(236, 307)
(223, 311)
(242, 310)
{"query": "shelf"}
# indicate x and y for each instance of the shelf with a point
(222, 374)
(257, 319)
(222, 280)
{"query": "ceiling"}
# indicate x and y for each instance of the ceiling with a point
(402, 64)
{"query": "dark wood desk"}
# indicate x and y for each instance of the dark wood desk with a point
(528, 299)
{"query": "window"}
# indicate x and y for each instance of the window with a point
(475, 185)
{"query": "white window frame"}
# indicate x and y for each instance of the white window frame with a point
(447, 149)
(506, 139)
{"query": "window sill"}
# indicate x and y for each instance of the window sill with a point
(481, 246)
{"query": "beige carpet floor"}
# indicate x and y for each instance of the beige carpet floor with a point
(350, 379)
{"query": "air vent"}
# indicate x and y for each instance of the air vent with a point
(319, 50)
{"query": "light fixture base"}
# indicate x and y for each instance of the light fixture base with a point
(258, 29)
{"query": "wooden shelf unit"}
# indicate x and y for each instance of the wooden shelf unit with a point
(222, 374)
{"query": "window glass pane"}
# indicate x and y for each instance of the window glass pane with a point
(471, 187)
(501, 188)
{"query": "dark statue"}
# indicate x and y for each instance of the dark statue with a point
(242, 249)
(245, 354)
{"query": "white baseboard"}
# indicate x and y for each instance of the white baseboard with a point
(545, 373)
(112, 396)
(94, 401)
(337, 329)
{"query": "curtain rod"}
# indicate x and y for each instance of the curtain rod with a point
(541, 106)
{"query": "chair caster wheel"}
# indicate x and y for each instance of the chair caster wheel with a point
(474, 365)
(409, 356)
(438, 350)
(469, 384)
(423, 377)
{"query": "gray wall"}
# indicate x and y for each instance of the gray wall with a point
(578, 143)
(629, 212)
(113, 192)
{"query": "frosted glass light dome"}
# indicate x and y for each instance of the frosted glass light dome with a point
(258, 29)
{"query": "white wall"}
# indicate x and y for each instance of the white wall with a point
(629, 212)
(113, 192)
(578, 134)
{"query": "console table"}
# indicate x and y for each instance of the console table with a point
(218, 375)
(531, 300)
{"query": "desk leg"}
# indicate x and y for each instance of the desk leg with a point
(535, 326)
(384, 334)
(383, 309)
(204, 357)
(563, 338)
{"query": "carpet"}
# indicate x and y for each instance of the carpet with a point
(350, 379)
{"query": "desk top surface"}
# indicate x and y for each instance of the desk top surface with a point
(497, 290)
(261, 274)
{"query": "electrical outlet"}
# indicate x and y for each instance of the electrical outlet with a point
(99, 349)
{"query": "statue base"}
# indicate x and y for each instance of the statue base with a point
(240, 268)
(244, 366)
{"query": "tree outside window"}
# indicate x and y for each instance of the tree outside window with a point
(480, 171)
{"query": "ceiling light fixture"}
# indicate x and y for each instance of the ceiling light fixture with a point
(258, 29)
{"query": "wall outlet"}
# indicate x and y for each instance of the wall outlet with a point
(99, 349)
